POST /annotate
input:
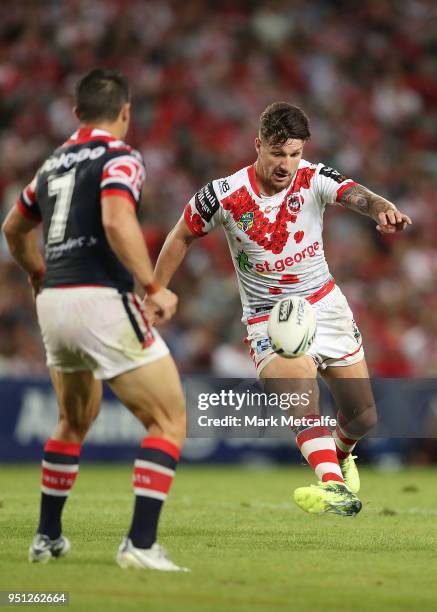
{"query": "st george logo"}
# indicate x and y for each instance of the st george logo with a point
(294, 202)
(246, 221)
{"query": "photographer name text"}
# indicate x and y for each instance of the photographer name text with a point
(271, 421)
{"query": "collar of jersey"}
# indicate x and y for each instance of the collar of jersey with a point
(84, 134)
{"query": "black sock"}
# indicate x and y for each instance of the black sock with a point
(59, 470)
(153, 474)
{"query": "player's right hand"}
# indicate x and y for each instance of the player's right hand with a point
(161, 306)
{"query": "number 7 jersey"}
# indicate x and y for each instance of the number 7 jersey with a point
(66, 196)
(275, 241)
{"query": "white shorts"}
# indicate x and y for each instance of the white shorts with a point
(337, 343)
(97, 329)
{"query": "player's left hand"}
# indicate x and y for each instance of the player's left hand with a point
(160, 306)
(392, 221)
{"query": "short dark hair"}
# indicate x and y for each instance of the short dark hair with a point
(281, 121)
(100, 95)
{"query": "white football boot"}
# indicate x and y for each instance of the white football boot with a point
(154, 558)
(43, 548)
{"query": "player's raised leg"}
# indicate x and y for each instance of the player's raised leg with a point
(314, 441)
(356, 415)
(79, 396)
(153, 393)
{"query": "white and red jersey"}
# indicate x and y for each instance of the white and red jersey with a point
(275, 241)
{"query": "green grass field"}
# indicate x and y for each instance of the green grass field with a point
(248, 546)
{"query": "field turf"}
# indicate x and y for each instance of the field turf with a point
(249, 548)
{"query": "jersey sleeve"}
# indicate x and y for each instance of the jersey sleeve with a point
(204, 211)
(331, 184)
(27, 203)
(124, 176)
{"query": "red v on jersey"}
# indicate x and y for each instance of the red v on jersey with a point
(273, 235)
(276, 242)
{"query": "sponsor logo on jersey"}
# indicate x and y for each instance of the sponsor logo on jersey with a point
(332, 174)
(207, 202)
(245, 222)
(243, 262)
(262, 345)
(224, 186)
(294, 202)
(263, 309)
(356, 332)
(279, 265)
(70, 245)
(68, 159)
(285, 311)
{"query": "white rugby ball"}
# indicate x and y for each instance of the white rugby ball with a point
(292, 327)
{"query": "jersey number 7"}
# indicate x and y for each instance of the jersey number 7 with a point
(62, 188)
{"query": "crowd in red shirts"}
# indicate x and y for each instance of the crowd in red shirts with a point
(201, 73)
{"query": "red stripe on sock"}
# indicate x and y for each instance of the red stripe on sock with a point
(342, 423)
(58, 480)
(163, 445)
(342, 437)
(322, 456)
(64, 448)
(318, 431)
(342, 454)
(147, 478)
(331, 476)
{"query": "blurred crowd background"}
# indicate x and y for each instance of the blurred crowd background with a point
(201, 73)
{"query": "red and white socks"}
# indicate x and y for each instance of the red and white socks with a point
(316, 444)
(344, 441)
(154, 471)
(153, 475)
(60, 466)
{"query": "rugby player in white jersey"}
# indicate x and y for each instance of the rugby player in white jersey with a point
(272, 215)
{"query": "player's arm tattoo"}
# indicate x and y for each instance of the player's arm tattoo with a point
(362, 200)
